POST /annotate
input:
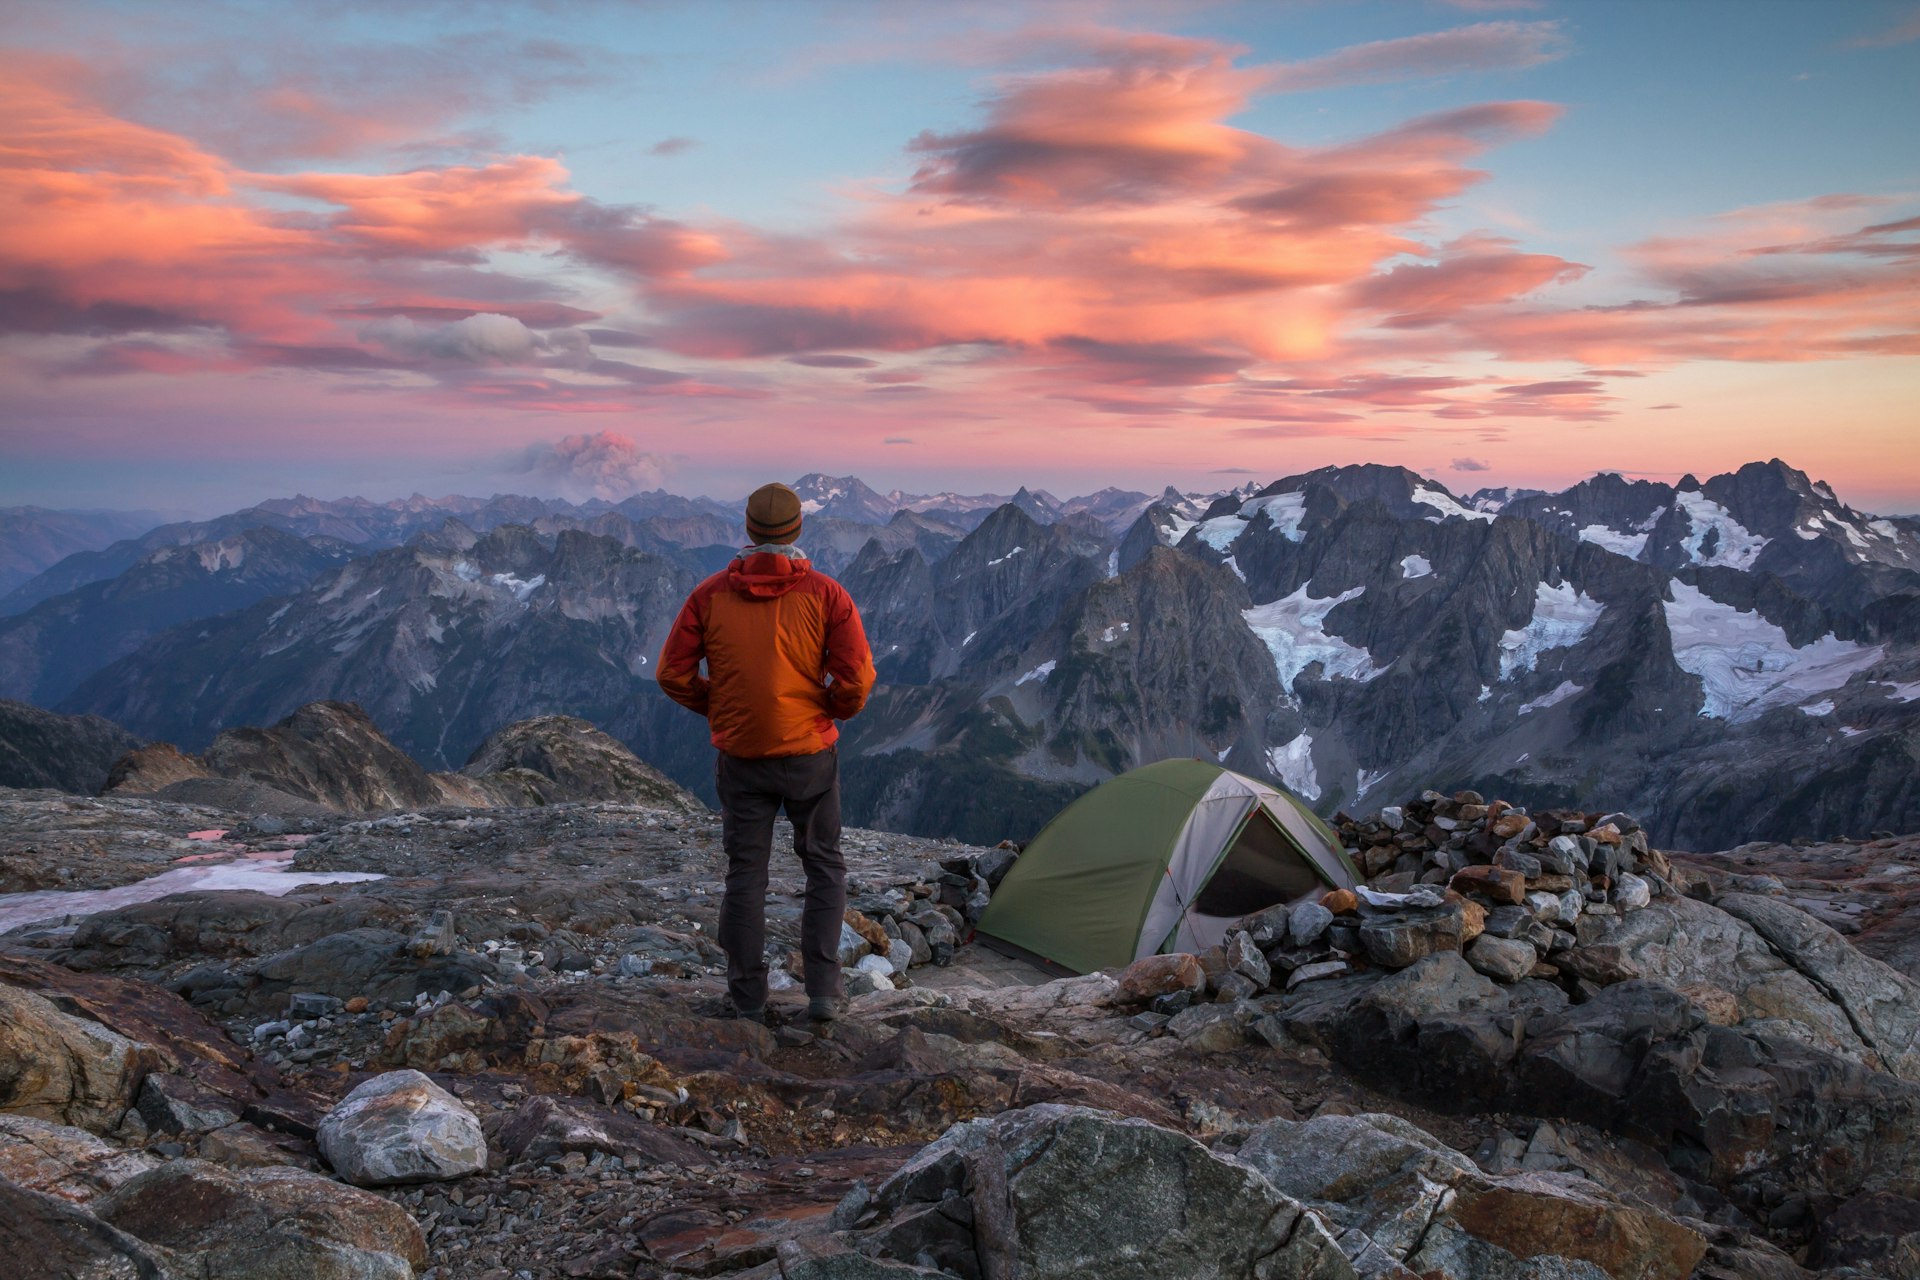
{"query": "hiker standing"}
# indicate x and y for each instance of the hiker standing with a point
(786, 657)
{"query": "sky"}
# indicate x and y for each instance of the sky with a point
(585, 249)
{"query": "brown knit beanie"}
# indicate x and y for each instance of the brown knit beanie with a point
(773, 514)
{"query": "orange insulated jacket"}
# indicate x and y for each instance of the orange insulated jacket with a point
(785, 652)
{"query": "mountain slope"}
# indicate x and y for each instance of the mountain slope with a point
(1734, 659)
(52, 647)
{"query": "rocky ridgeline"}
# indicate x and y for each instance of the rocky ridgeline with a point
(510, 1058)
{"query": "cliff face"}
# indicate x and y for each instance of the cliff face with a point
(66, 753)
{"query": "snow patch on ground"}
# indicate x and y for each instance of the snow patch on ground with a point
(1003, 559)
(969, 639)
(1562, 617)
(1115, 631)
(269, 876)
(1365, 780)
(1561, 692)
(1736, 547)
(1446, 506)
(1113, 563)
(1824, 707)
(1485, 693)
(1039, 673)
(1902, 692)
(1293, 765)
(1416, 567)
(1746, 664)
(1233, 563)
(1294, 631)
(1629, 545)
(466, 571)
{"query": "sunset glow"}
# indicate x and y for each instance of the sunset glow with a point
(599, 248)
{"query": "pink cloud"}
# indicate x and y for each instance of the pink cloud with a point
(1101, 246)
(1486, 46)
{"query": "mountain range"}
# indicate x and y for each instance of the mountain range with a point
(1736, 659)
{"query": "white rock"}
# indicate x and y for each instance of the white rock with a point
(1545, 906)
(401, 1127)
(1630, 892)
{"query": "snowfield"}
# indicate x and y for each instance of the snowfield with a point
(1293, 765)
(1629, 545)
(1562, 617)
(1446, 506)
(1736, 547)
(1560, 693)
(1039, 673)
(1746, 665)
(1294, 631)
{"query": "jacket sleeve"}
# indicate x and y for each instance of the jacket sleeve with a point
(849, 660)
(679, 668)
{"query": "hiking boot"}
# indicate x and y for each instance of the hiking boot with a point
(758, 1015)
(823, 1008)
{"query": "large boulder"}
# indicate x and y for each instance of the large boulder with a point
(265, 1224)
(58, 1067)
(1789, 974)
(1433, 1211)
(401, 1127)
(1075, 1194)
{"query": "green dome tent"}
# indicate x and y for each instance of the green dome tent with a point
(1161, 858)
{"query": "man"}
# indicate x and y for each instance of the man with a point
(786, 657)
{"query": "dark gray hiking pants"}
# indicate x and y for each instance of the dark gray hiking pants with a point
(752, 793)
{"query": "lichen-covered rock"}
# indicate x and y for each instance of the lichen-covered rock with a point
(401, 1127)
(265, 1224)
(1075, 1194)
(64, 1161)
(58, 1067)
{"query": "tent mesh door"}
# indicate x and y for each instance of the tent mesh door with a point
(1261, 869)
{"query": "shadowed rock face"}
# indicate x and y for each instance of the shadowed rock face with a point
(66, 753)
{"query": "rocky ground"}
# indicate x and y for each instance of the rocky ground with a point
(1529, 1046)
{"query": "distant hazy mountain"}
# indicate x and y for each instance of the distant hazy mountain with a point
(1737, 659)
(35, 538)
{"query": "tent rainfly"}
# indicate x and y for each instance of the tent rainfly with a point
(1161, 858)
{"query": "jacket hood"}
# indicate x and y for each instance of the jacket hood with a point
(767, 571)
